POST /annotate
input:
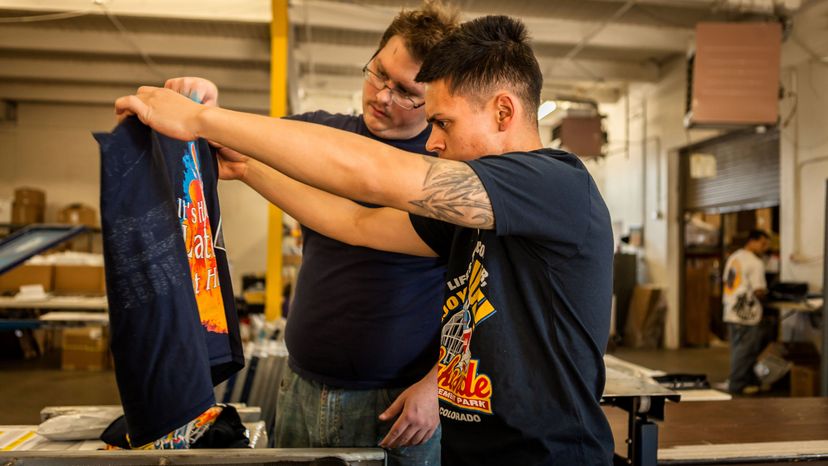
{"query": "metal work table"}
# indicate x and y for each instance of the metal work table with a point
(746, 431)
(35, 311)
(76, 303)
(246, 413)
(810, 305)
(262, 456)
(52, 312)
(643, 400)
(22, 446)
(72, 317)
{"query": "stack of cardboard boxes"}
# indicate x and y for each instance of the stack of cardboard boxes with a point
(27, 274)
(85, 348)
(645, 318)
(60, 279)
(68, 270)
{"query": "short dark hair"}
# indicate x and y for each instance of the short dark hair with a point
(483, 54)
(757, 234)
(421, 29)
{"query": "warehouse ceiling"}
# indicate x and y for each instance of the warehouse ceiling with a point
(89, 51)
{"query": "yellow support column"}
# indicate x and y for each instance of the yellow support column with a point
(278, 107)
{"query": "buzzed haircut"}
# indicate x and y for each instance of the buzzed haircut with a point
(757, 234)
(484, 54)
(421, 29)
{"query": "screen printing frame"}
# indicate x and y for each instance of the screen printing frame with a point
(31, 240)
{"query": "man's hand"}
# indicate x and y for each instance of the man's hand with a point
(198, 89)
(232, 165)
(419, 417)
(164, 110)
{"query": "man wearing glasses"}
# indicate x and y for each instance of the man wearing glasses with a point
(361, 351)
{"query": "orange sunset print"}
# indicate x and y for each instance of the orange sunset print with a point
(198, 239)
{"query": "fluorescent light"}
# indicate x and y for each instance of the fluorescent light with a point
(546, 108)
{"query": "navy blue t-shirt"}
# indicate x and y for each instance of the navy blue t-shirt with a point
(526, 317)
(363, 318)
(174, 329)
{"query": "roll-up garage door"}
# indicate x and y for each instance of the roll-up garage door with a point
(745, 174)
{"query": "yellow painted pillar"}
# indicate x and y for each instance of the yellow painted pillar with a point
(278, 107)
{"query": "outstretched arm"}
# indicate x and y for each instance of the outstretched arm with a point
(384, 228)
(335, 161)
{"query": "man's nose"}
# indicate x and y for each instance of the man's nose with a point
(435, 143)
(384, 95)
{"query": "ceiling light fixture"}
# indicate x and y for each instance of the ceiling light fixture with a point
(546, 108)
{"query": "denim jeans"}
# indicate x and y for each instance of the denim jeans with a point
(313, 415)
(745, 346)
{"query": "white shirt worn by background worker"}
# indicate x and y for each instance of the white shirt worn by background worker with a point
(744, 273)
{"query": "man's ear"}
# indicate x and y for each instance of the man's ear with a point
(505, 110)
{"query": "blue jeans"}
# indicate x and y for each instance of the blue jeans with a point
(313, 415)
(745, 345)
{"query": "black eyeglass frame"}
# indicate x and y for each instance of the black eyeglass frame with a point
(370, 75)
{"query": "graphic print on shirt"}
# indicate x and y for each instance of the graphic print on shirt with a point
(461, 381)
(198, 239)
(744, 305)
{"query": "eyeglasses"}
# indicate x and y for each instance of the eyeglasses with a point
(397, 96)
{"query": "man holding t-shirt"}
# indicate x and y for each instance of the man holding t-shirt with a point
(526, 234)
(353, 303)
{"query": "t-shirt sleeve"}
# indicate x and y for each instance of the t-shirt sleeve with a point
(436, 234)
(307, 117)
(543, 197)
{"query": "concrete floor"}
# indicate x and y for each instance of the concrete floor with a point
(26, 386)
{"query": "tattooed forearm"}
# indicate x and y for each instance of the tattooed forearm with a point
(452, 192)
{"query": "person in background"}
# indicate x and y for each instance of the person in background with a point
(744, 290)
(363, 329)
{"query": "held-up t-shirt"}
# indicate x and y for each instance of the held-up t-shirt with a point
(744, 273)
(174, 328)
(526, 316)
(363, 318)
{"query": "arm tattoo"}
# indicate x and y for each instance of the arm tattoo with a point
(453, 193)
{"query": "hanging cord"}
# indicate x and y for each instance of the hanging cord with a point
(131, 39)
(101, 4)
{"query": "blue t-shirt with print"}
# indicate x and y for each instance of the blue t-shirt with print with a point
(173, 323)
(363, 318)
(526, 316)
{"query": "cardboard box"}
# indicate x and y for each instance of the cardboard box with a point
(27, 275)
(778, 358)
(85, 348)
(803, 353)
(645, 318)
(771, 364)
(29, 206)
(804, 380)
(78, 214)
(5, 210)
(80, 280)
